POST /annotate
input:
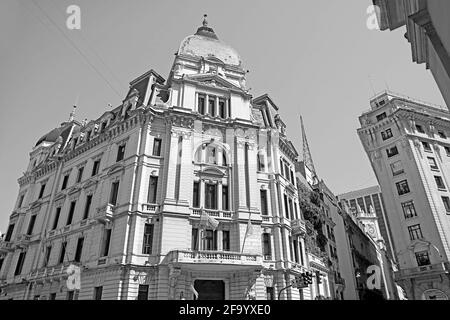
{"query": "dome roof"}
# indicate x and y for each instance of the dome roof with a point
(205, 43)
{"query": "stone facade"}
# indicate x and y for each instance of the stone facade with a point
(121, 200)
(408, 144)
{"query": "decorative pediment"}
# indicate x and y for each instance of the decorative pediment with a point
(212, 172)
(74, 193)
(90, 186)
(213, 80)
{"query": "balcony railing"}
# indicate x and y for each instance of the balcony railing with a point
(216, 257)
(6, 246)
(298, 227)
(212, 213)
(105, 213)
(443, 267)
(48, 273)
(23, 240)
(149, 207)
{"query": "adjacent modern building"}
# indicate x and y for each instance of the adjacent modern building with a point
(428, 32)
(186, 190)
(370, 200)
(408, 144)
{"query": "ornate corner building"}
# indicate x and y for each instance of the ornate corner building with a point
(121, 201)
(408, 144)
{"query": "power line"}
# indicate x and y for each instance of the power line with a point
(91, 48)
(77, 49)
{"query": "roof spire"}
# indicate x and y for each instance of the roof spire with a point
(307, 158)
(206, 31)
(205, 22)
(72, 114)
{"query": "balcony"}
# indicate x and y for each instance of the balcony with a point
(6, 246)
(104, 214)
(49, 273)
(23, 240)
(429, 270)
(212, 213)
(149, 207)
(298, 227)
(226, 261)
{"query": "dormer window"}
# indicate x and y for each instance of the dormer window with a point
(419, 128)
(103, 127)
(88, 136)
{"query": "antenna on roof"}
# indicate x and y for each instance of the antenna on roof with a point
(72, 114)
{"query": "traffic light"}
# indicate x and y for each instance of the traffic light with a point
(307, 277)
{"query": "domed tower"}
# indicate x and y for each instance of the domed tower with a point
(204, 64)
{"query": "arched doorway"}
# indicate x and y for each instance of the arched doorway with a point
(434, 294)
(210, 289)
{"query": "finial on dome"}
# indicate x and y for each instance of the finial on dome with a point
(205, 22)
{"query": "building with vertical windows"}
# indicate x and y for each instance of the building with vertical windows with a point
(427, 31)
(186, 190)
(370, 200)
(411, 161)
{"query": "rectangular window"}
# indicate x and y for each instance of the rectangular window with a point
(55, 221)
(114, 193)
(426, 146)
(281, 167)
(79, 250)
(9, 232)
(295, 245)
(291, 209)
(194, 242)
(447, 151)
(392, 151)
(210, 240)
(20, 201)
(41, 192)
(419, 128)
(120, 153)
(292, 177)
(106, 242)
(286, 206)
(263, 196)
(196, 195)
(433, 164)
(446, 201)
(439, 182)
(402, 187)
(225, 200)
(210, 196)
(409, 210)
(222, 111)
(157, 142)
(87, 207)
(270, 293)
(423, 258)
(397, 168)
(95, 167)
(152, 189)
(261, 162)
(62, 253)
(52, 296)
(71, 213)
(20, 262)
(80, 174)
(415, 232)
(148, 239)
(226, 240)
(212, 107)
(201, 104)
(31, 224)
(72, 295)
(381, 116)
(98, 291)
(143, 292)
(267, 249)
(442, 135)
(386, 134)
(47, 255)
(65, 182)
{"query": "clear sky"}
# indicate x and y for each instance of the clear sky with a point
(313, 58)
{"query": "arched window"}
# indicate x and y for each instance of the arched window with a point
(211, 155)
